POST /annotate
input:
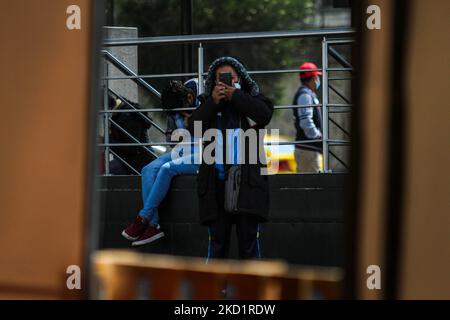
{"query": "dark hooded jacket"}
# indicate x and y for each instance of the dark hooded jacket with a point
(246, 103)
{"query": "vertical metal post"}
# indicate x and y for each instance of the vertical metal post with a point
(200, 69)
(187, 27)
(325, 105)
(105, 120)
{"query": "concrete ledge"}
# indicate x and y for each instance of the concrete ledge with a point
(306, 218)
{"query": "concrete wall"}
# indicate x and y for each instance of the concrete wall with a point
(129, 56)
(306, 218)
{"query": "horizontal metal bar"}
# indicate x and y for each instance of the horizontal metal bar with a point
(281, 143)
(146, 110)
(193, 143)
(148, 76)
(193, 108)
(340, 41)
(273, 143)
(340, 78)
(339, 143)
(192, 74)
(340, 105)
(297, 106)
(207, 38)
(340, 69)
(283, 71)
(143, 144)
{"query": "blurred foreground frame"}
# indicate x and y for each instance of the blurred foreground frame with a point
(49, 214)
(122, 275)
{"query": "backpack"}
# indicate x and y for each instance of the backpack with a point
(137, 126)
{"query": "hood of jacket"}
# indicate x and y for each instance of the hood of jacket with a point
(247, 83)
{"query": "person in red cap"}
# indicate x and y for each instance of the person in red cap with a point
(308, 120)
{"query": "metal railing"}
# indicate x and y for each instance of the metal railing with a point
(327, 108)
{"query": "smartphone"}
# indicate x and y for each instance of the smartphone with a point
(225, 77)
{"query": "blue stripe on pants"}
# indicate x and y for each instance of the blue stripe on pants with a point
(209, 246)
(257, 242)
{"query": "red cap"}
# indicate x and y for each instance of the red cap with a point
(308, 74)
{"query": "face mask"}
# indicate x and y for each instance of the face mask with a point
(317, 83)
(237, 85)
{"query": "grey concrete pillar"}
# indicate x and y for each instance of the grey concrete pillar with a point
(129, 56)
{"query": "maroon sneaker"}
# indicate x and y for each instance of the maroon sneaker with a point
(150, 234)
(135, 229)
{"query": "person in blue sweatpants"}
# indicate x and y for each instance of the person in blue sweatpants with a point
(157, 176)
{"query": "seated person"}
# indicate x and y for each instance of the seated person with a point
(157, 175)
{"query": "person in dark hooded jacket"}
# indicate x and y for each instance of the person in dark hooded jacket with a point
(240, 105)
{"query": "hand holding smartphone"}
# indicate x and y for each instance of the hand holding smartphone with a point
(218, 93)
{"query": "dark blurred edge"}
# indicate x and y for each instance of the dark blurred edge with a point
(351, 233)
(92, 220)
(397, 160)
